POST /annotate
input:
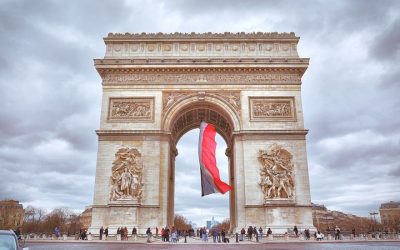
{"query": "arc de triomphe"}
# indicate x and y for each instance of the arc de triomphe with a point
(156, 87)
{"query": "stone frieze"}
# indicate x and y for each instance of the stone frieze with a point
(272, 109)
(131, 109)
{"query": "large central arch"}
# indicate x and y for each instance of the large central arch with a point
(156, 87)
(186, 115)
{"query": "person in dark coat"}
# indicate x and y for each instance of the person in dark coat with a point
(295, 230)
(101, 233)
(249, 232)
(106, 232)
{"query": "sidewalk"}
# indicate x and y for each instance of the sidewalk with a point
(197, 241)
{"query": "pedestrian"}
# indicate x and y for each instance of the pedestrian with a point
(269, 233)
(319, 236)
(106, 233)
(260, 231)
(242, 233)
(307, 233)
(337, 233)
(295, 230)
(148, 233)
(249, 233)
(156, 232)
(166, 232)
(353, 232)
(214, 234)
(134, 233)
(101, 233)
(174, 236)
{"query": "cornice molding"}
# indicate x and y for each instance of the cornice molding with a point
(199, 36)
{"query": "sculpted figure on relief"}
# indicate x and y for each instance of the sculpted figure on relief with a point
(276, 173)
(126, 178)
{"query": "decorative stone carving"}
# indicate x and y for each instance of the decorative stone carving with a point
(192, 35)
(232, 98)
(177, 78)
(169, 98)
(192, 118)
(272, 109)
(276, 173)
(131, 109)
(126, 178)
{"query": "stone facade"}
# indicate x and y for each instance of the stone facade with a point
(390, 216)
(156, 87)
(11, 214)
(85, 218)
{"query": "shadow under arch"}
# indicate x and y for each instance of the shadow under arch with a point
(187, 115)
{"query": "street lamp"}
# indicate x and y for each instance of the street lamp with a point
(373, 213)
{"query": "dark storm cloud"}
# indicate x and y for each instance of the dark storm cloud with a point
(51, 93)
(387, 43)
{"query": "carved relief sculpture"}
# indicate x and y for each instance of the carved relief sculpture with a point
(272, 108)
(140, 109)
(276, 173)
(232, 98)
(126, 178)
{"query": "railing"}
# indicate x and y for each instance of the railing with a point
(231, 237)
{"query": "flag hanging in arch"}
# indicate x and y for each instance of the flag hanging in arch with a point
(210, 179)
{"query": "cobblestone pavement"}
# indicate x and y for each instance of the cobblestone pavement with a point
(381, 245)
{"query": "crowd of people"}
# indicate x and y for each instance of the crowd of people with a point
(173, 235)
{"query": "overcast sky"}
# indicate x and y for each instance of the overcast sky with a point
(51, 94)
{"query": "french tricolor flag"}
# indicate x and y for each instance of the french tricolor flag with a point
(210, 180)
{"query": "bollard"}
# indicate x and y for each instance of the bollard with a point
(237, 238)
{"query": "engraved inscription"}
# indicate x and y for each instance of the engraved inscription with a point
(272, 108)
(140, 109)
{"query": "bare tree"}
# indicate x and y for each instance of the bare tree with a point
(181, 223)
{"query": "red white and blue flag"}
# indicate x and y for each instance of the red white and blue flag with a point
(210, 179)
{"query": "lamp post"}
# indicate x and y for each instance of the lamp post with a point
(373, 213)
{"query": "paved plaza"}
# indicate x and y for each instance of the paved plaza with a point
(370, 245)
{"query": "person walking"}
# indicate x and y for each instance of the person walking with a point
(260, 231)
(134, 234)
(307, 234)
(337, 233)
(214, 235)
(295, 230)
(166, 232)
(242, 233)
(269, 233)
(106, 233)
(163, 234)
(101, 233)
(249, 233)
(148, 233)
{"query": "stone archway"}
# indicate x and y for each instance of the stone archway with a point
(158, 86)
(186, 118)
